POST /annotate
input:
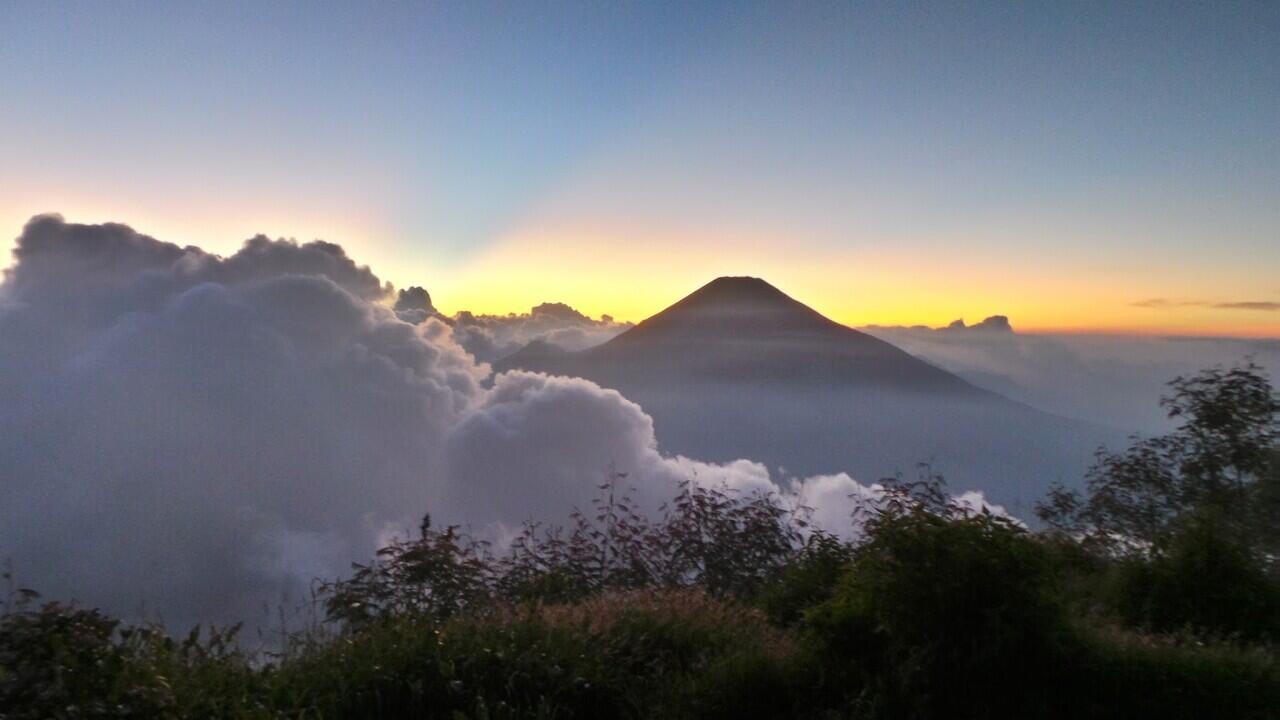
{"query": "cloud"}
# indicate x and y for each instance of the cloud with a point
(1162, 303)
(1111, 379)
(493, 337)
(413, 305)
(199, 436)
(196, 437)
(533, 447)
(1159, 303)
(994, 323)
(1249, 305)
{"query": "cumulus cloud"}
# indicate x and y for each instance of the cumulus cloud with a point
(200, 435)
(535, 446)
(413, 305)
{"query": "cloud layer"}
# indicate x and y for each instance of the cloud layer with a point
(195, 437)
(1112, 379)
(493, 337)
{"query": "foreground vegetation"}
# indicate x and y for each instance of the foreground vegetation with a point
(1153, 594)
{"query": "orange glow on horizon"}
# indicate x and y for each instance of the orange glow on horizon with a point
(633, 274)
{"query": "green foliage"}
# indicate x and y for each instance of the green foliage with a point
(1192, 516)
(1207, 576)
(715, 539)
(808, 580)
(1222, 456)
(61, 661)
(1120, 674)
(637, 654)
(935, 606)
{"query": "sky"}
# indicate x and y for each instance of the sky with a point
(1107, 167)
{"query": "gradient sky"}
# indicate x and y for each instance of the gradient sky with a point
(1077, 166)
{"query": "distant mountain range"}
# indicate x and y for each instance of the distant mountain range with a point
(740, 369)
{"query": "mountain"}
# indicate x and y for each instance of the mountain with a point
(742, 330)
(740, 369)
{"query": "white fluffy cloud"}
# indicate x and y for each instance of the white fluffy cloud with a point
(533, 447)
(198, 437)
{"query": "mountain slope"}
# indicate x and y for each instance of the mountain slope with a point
(740, 369)
(744, 330)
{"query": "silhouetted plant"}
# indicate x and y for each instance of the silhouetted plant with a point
(1205, 576)
(1191, 515)
(715, 538)
(438, 574)
(727, 543)
(937, 604)
(809, 579)
(1222, 455)
(65, 661)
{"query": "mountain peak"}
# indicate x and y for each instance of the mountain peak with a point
(730, 307)
(738, 290)
(742, 329)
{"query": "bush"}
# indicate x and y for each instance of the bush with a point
(934, 607)
(634, 654)
(1206, 578)
(1121, 674)
(723, 542)
(62, 661)
(808, 580)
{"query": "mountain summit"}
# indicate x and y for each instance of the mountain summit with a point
(730, 306)
(739, 369)
(742, 329)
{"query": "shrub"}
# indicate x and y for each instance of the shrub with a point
(713, 538)
(1205, 577)
(438, 575)
(1222, 457)
(808, 580)
(934, 607)
(633, 654)
(62, 661)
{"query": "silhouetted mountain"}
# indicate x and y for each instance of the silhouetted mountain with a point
(740, 369)
(742, 329)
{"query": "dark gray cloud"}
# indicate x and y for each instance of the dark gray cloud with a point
(413, 305)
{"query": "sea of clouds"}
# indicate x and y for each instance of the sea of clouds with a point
(1115, 380)
(189, 437)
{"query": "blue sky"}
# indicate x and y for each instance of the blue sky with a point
(948, 159)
